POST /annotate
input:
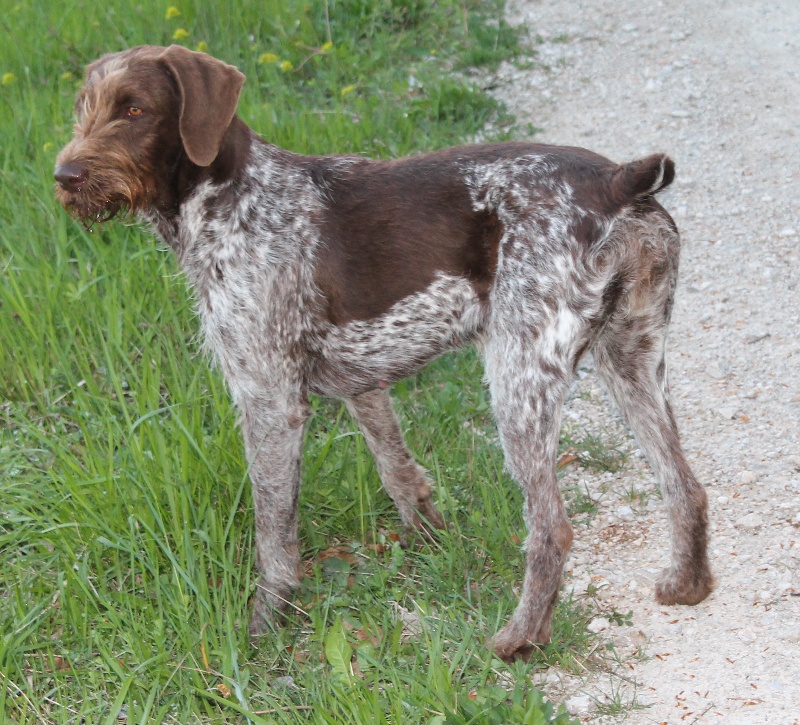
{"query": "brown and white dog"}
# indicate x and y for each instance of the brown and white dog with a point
(339, 275)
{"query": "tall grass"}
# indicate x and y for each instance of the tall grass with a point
(125, 511)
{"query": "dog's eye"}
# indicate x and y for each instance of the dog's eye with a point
(134, 111)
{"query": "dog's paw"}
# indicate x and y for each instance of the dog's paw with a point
(428, 516)
(420, 522)
(268, 611)
(679, 588)
(513, 642)
(262, 619)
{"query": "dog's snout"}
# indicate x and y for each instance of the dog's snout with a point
(71, 176)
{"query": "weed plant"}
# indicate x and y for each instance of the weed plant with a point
(125, 513)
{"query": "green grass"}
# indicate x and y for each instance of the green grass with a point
(125, 510)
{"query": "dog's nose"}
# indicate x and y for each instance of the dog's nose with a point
(71, 176)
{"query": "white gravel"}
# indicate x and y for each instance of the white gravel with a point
(716, 84)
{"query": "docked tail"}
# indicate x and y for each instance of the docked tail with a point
(642, 178)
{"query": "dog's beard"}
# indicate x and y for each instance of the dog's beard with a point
(91, 206)
(90, 213)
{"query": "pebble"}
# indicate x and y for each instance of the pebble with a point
(750, 521)
(579, 704)
(746, 636)
(598, 624)
(789, 634)
(284, 683)
(748, 477)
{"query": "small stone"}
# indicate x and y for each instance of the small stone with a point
(748, 477)
(717, 371)
(579, 705)
(750, 521)
(679, 113)
(789, 634)
(787, 233)
(598, 624)
(727, 412)
(625, 512)
(284, 683)
(553, 677)
(412, 624)
(722, 500)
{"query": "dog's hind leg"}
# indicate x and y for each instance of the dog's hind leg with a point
(630, 358)
(528, 371)
(405, 481)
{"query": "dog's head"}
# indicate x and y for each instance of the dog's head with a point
(139, 113)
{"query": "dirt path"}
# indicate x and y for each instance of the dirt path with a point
(715, 83)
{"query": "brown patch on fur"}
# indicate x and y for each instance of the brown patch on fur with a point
(413, 215)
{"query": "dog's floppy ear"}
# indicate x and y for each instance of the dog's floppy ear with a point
(209, 91)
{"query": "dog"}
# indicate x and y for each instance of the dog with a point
(338, 275)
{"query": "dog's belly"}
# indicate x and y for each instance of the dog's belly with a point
(365, 354)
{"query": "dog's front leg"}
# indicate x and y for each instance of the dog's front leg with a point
(273, 426)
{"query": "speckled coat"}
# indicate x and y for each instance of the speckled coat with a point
(340, 275)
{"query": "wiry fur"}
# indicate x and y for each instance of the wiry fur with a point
(339, 275)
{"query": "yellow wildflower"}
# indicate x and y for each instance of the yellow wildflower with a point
(49, 146)
(66, 76)
(202, 47)
(346, 90)
(172, 12)
(328, 46)
(8, 79)
(286, 65)
(265, 58)
(180, 34)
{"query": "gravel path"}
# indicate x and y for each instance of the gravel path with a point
(716, 84)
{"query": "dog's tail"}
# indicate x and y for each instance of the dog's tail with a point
(643, 178)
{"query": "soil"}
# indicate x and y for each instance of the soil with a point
(716, 84)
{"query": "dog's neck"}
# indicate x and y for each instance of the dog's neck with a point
(233, 156)
(186, 179)
(255, 201)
